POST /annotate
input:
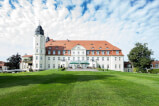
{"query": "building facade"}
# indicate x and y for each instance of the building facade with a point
(155, 65)
(53, 54)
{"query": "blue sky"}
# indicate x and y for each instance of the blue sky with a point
(120, 22)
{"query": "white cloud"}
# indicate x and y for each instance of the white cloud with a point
(115, 21)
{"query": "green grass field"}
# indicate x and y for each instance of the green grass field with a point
(56, 88)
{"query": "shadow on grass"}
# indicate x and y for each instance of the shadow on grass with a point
(24, 80)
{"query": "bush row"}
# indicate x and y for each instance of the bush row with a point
(154, 71)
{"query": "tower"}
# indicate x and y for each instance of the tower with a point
(39, 49)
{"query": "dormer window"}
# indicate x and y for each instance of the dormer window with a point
(59, 52)
(102, 52)
(92, 47)
(68, 51)
(49, 52)
(92, 52)
(87, 52)
(97, 52)
(108, 52)
(107, 48)
(100, 48)
(91, 43)
(117, 52)
(64, 51)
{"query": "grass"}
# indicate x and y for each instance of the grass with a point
(61, 88)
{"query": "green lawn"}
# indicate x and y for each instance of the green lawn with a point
(56, 88)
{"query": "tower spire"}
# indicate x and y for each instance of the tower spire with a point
(39, 21)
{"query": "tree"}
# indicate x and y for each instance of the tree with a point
(140, 57)
(14, 61)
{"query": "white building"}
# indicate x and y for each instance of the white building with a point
(52, 54)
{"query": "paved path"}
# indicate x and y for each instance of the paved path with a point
(81, 70)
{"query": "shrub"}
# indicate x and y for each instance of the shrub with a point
(154, 71)
(61, 69)
(101, 69)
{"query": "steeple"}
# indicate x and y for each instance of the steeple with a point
(39, 30)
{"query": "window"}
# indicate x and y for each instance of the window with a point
(56, 47)
(68, 58)
(107, 48)
(107, 58)
(83, 52)
(36, 65)
(93, 65)
(41, 57)
(73, 58)
(98, 58)
(97, 52)
(100, 48)
(53, 58)
(102, 65)
(92, 47)
(40, 65)
(87, 58)
(108, 52)
(58, 65)
(92, 58)
(78, 58)
(49, 52)
(49, 47)
(117, 52)
(48, 58)
(68, 51)
(73, 52)
(82, 58)
(41, 51)
(53, 65)
(115, 66)
(115, 58)
(156, 65)
(119, 58)
(64, 51)
(92, 52)
(63, 58)
(59, 52)
(102, 52)
(102, 58)
(36, 57)
(37, 44)
(58, 58)
(54, 52)
(119, 66)
(78, 52)
(48, 65)
(36, 50)
(87, 52)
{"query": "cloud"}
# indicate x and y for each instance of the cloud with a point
(120, 22)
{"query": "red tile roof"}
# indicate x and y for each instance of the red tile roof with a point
(88, 44)
(27, 56)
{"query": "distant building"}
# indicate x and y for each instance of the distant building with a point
(127, 67)
(155, 65)
(53, 54)
(26, 62)
(3, 65)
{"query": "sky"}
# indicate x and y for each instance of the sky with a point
(120, 22)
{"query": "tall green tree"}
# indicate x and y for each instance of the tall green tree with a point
(14, 61)
(140, 57)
